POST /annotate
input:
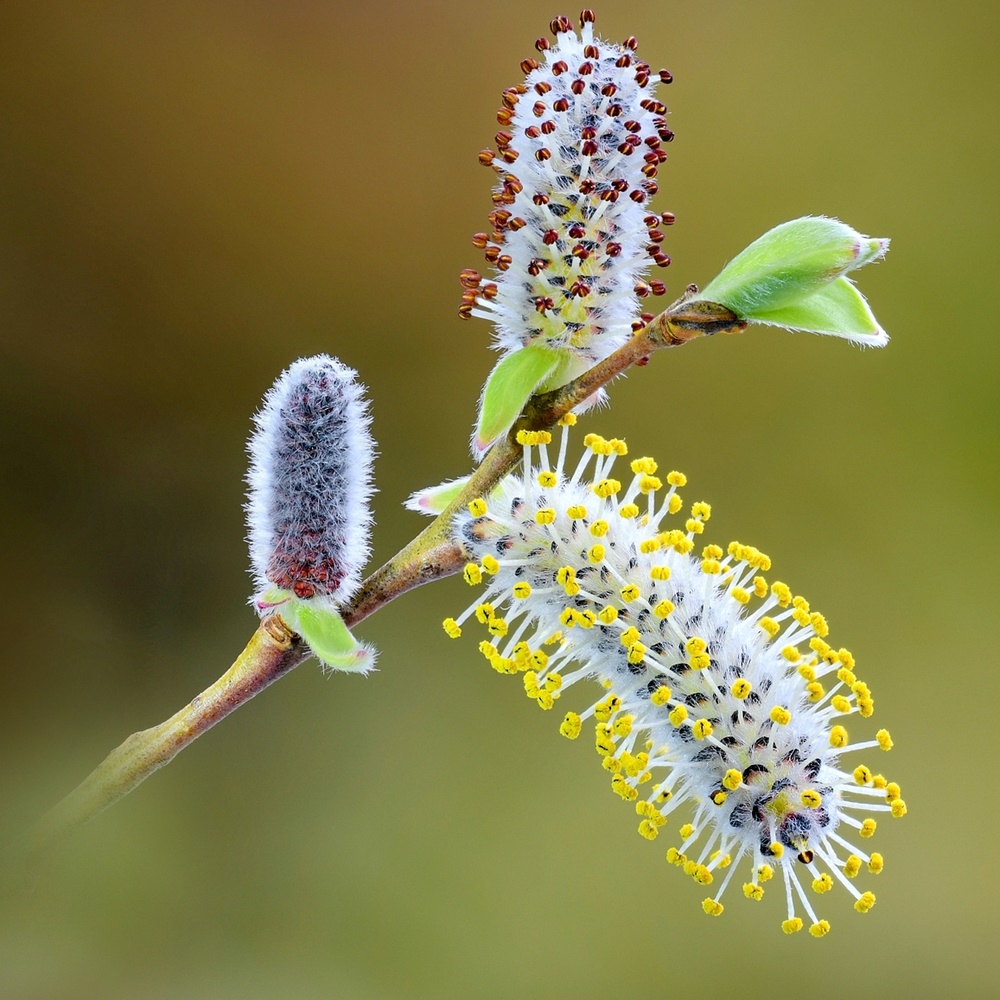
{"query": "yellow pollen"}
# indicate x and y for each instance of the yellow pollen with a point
(841, 704)
(753, 891)
(791, 926)
(822, 884)
(876, 864)
(838, 736)
(599, 529)
(630, 593)
(628, 511)
(477, 507)
(649, 545)
(677, 479)
(608, 614)
(811, 799)
(649, 484)
(898, 808)
(678, 716)
(452, 628)
(865, 903)
(490, 565)
(770, 626)
(661, 695)
(660, 573)
(596, 554)
(781, 715)
(702, 729)
(521, 590)
(607, 488)
(663, 608)
(577, 512)
(545, 516)
(732, 779)
(741, 688)
(472, 574)
(741, 595)
(674, 504)
(644, 465)
(547, 479)
(884, 740)
(862, 775)
(867, 828)
(712, 907)
(852, 866)
(820, 929)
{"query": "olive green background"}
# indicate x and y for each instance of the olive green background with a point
(193, 194)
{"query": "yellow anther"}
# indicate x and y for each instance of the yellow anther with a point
(596, 554)
(521, 590)
(711, 566)
(571, 726)
(477, 507)
(623, 725)
(618, 446)
(607, 488)
(678, 716)
(878, 781)
(712, 907)
(648, 830)
(867, 828)
(636, 653)
(694, 526)
(452, 628)
(701, 510)
(807, 671)
(892, 791)
(645, 465)
(741, 595)
(695, 645)
(811, 799)
(675, 857)
(674, 504)
(820, 929)
(604, 745)
(852, 866)
(661, 695)
(567, 420)
(776, 849)
(847, 658)
(770, 626)
(686, 830)
(718, 797)
(585, 618)
(663, 608)
(497, 626)
(472, 574)
(545, 700)
(702, 729)
(753, 891)
(533, 437)
(490, 565)
(732, 779)
(815, 691)
(576, 512)
(822, 884)
(660, 573)
(628, 511)
(782, 593)
(817, 645)
(741, 688)
(841, 704)
(792, 925)
(682, 544)
(884, 740)
(711, 552)
(838, 736)
(703, 876)
(630, 635)
(862, 775)
(866, 707)
(649, 484)
(898, 808)
(608, 614)
(630, 593)
(800, 603)
(819, 624)
(800, 616)
(759, 586)
(865, 903)
(567, 617)
(677, 479)
(765, 873)
(781, 715)
(649, 545)
(564, 575)
(545, 516)
(553, 682)
(547, 479)
(599, 529)
(700, 662)
(875, 864)
(791, 654)
(487, 649)
(612, 764)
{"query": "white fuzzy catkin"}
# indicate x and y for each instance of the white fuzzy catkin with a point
(577, 157)
(310, 482)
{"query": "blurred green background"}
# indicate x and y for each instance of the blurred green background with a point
(193, 194)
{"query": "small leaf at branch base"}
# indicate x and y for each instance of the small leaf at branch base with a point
(324, 631)
(434, 499)
(508, 388)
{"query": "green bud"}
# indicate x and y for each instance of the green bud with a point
(511, 383)
(434, 499)
(794, 276)
(324, 631)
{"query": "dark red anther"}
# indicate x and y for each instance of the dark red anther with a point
(559, 68)
(541, 44)
(578, 86)
(589, 148)
(503, 262)
(609, 195)
(580, 252)
(560, 24)
(503, 140)
(470, 278)
(561, 105)
(580, 289)
(614, 111)
(668, 218)
(625, 149)
(650, 187)
(465, 311)
(588, 132)
(591, 52)
(542, 88)
(539, 198)
(662, 261)
(577, 232)
(623, 61)
(509, 155)
(642, 79)
(504, 116)
(642, 289)
(658, 287)
(655, 236)
(630, 43)
(527, 65)
(643, 361)
(646, 318)
(489, 291)
(509, 98)
(549, 237)
(614, 249)
(543, 303)
(536, 265)
(492, 254)
(665, 134)
(609, 90)
(532, 131)
(587, 16)
(620, 184)
(516, 223)
(499, 218)
(512, 185)
(538, 109)
(502, 198)
(632, 126)
(637, 325)
(486, 157)
(666, 76)
(633, 140)
(543, 154)
(587, 186)
(637, 196)
(480, 241)
(649, 169)
(548, 127)
(586, 69)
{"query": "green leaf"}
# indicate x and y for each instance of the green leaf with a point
(508, 388)
(434, 499)
(789, 262)
(321, 626)
(838, 309)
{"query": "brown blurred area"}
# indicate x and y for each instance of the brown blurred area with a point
(194, 194)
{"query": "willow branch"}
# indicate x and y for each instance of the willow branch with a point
(274, 649)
